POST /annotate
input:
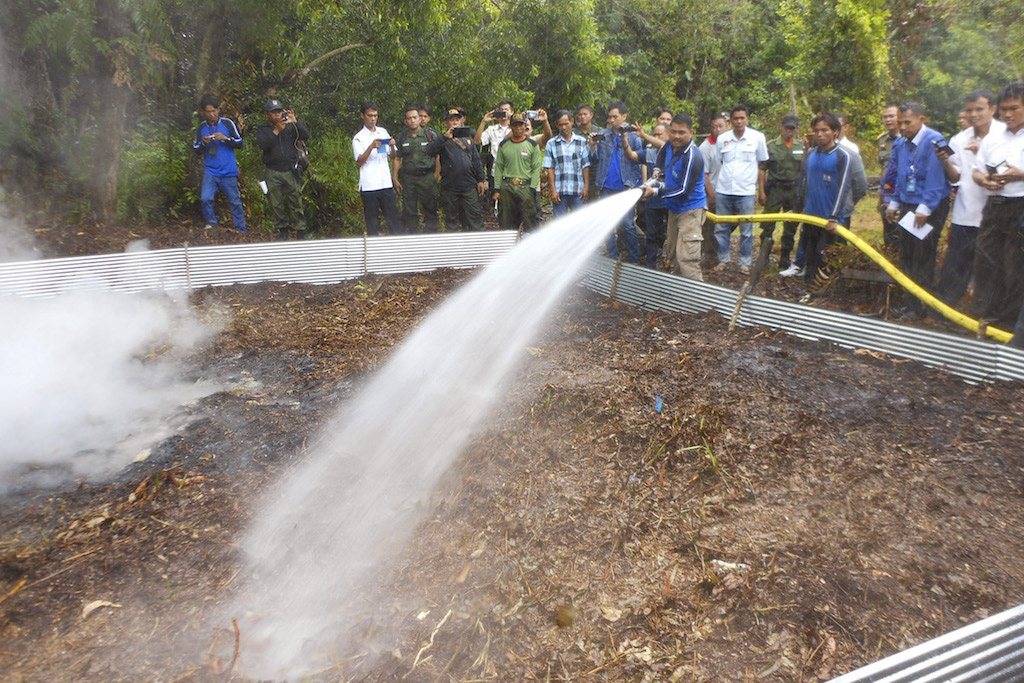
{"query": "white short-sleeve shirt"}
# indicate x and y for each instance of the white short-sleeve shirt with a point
(740, 158)
(375, 174)
(1003, 147)
(970, 196)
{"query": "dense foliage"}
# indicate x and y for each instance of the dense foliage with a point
(100, 95)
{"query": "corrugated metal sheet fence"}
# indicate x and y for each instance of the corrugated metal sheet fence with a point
(332, 261)
(975, 360)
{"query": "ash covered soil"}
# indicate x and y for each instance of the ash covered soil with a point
(793, 512)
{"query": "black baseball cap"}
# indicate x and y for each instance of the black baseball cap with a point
(791, 121)
(273, 104)
(453, 112)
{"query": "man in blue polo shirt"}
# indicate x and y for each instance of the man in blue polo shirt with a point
(921, 189)
(217, 139)
(617, 151)
(680, 165)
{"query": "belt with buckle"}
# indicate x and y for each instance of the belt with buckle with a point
(516, 181)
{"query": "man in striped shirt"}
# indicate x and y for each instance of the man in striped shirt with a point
(567, 160)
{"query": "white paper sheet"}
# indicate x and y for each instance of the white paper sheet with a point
(907, 223)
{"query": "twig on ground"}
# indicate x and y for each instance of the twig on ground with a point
(429, 644)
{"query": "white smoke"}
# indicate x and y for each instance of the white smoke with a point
(17, 243)
(87, 379)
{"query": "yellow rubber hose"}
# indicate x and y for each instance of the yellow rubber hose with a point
(947, 311)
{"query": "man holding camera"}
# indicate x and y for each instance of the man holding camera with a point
(617, 150)
(463, 182)
(217, 139)
(517, 176)
(280, 140)
(494, 127)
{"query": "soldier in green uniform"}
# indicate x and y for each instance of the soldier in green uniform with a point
(516, 170)
(779, 183)
(890, 119)
(415, 174)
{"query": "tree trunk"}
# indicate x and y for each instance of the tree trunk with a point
(112, 95)
(110, 126)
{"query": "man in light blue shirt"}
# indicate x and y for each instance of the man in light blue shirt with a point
(617, 152)
(920, 188)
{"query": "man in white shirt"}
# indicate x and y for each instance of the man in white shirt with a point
(493, 129)
(712, 165)
(999, 254)
(741, 150)
(844, 139)
(970, 199)
(372, 145)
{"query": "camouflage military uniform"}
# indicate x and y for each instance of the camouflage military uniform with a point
(890, 230)
(782, 187)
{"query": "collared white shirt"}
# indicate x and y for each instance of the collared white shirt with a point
(492, 137)
(375, 174)
(740, 158)
(1003, 147)
(850, 145)
(970, 197)
(712, 163)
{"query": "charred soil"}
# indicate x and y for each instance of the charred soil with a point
(657, 499)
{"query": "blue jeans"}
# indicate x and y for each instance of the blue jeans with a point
(570, 202)
(734, 205)
(628, 225)
(229, 186)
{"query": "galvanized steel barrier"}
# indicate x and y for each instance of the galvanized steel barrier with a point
(312, 261)
(992, 649)
(988, 650)
(975, 360)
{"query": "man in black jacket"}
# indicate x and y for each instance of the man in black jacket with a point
(279, 139)
(463, 182)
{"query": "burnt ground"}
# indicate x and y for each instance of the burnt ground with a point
(794, 511)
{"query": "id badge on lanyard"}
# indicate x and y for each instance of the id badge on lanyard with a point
(912, 179)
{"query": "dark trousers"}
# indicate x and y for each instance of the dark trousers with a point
(284, 192)
(782, 198)
(376, 201)
(655, 232)
(958, 264)
(999, 260)
(462, 207)
(708, 247)
(917, 257)
(891, 230)
(1018, 331)
(517, 206)
(815, 241)
(419, 194)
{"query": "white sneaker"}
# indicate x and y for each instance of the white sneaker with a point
(208, 226)
(793, 271)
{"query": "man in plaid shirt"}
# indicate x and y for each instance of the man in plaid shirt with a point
(567, 160)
